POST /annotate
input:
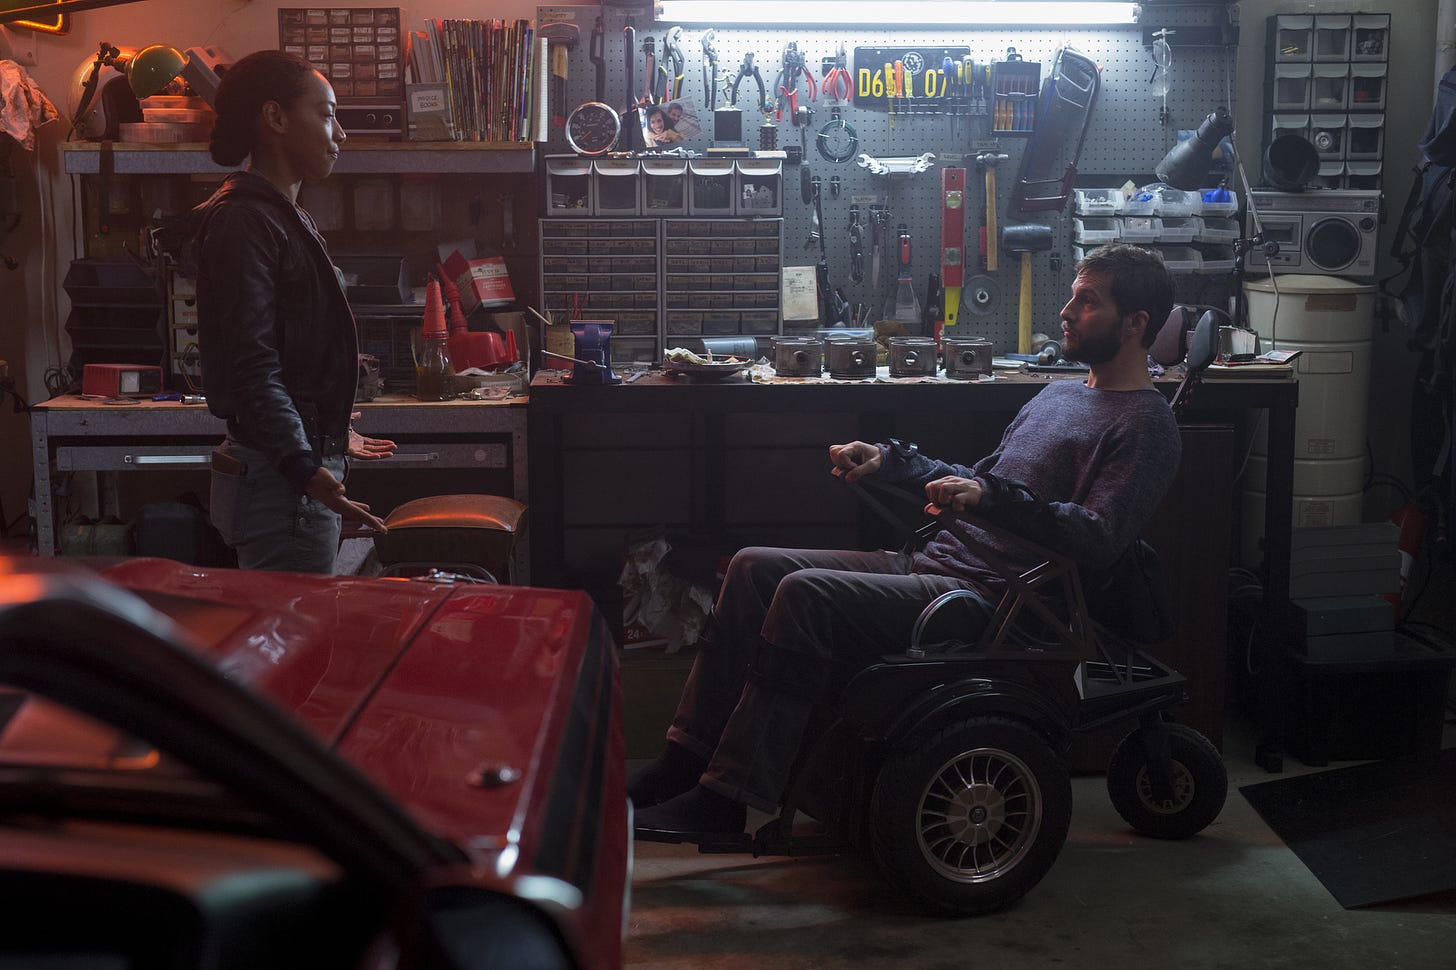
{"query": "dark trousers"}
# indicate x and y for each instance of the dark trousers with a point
(787, 615)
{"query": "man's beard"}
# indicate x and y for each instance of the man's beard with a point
(1095, 350)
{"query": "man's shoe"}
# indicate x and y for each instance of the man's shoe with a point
(700, 815)
(671, 773)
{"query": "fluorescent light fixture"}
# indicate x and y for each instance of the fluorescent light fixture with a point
(908, 13)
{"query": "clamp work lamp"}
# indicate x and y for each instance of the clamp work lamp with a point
(147, 71)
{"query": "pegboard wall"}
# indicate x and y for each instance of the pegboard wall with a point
(1129, 133)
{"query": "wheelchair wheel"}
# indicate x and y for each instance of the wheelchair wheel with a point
(972, 819)
(1200, 784)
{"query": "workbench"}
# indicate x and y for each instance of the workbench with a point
(73, 433)
(729, 463)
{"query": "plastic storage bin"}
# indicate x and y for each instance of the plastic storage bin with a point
(1217, 229)
(760, 187)
(1218, 202)
(1332, 37)
(664, 187)
(711, 187)
(1290, 90)
(568, 186)
(1140, 229)
(1330, 88)
(614, 184)
(1366, 137)
(1094, 230)
(1177, 202)
(1367, 86)
(1370, 37)
(1292, 36)
(1096, 202)
(1215, 258)
(1181, 259)
(1362, 175)
(1327, 135)
(1179, 229)
(1143, 202)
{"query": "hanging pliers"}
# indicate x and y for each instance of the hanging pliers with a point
(838, 85)
(786, 85)
(749, 69)
(710, 67)
(670, 70)
(649, 51)
(598, 54)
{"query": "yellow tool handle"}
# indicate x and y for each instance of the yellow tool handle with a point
(992, 240)
(952, 307)
(1023, 320)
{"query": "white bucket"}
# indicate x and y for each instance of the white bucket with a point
(1335, 476)
(1330, 321)
(1308, 511)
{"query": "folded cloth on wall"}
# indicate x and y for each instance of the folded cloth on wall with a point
(23, 105)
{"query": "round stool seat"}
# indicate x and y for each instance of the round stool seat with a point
(480, 530)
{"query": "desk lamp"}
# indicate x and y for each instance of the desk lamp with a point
(1185, 167)
(147, 71)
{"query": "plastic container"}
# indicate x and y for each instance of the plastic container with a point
(1180, 229)
(1140, 229)
(176, 116)
(1217, 229)
(1094, 230)
(1181, 259)
(1097, 202)
(1176, 202)
(1215, 259)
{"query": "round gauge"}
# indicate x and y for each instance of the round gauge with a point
(592, 129)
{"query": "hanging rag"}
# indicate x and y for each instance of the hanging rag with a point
(23, 105)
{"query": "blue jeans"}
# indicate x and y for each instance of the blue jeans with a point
(265, 519)
(789, 614)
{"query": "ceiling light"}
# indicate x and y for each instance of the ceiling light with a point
(1037, 13)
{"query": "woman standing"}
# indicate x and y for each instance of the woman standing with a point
(278, 345)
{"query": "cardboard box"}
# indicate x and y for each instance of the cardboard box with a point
(482, 282)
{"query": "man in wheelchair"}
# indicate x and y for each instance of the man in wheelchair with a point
(1080, 469)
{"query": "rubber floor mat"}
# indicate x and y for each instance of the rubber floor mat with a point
(1373, 833)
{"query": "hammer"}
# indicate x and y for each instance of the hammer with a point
(987, 161)
(1026, 239)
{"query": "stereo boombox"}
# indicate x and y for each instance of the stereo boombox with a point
(1331, 232)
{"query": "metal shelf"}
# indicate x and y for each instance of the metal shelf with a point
(385, 158)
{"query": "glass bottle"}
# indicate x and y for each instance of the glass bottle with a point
(434, 375)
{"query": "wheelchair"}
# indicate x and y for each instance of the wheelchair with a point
(946, 761)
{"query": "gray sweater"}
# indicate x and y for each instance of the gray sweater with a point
(1078, 470)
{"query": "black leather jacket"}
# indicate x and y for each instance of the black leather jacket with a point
(278, 344)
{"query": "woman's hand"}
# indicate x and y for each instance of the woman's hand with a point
(855, 460)
(323, 487)
(952, 494)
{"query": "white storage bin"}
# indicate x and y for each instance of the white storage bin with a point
(1331, 175)
(1293, 36)
(1370, 37)
(614, 182)
(1215, 259)
(664, 187)
(711, 187)
(760, 187)
(1367, 86)
(1094, 230)
(1179, 229)
(1362, 175)
(568, 186)
(1218, 202)
(1140, 203)
(1096, 202)
(1288, 124)
(1366, 136)
(1181, 259)
(1327, 134)
(1332, 37)
(1290, 91)
(1177, 202)
(1217, 229)
(1140, 229)
(1330, 90)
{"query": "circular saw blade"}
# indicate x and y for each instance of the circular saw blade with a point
(981, 296)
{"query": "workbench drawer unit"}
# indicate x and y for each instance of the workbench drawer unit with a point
(606, 269)
(721, 278)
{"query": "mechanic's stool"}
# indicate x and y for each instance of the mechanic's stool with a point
(452, 531)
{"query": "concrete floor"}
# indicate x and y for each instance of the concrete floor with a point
(1233, 897)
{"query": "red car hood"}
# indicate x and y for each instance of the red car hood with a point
(463, 733)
